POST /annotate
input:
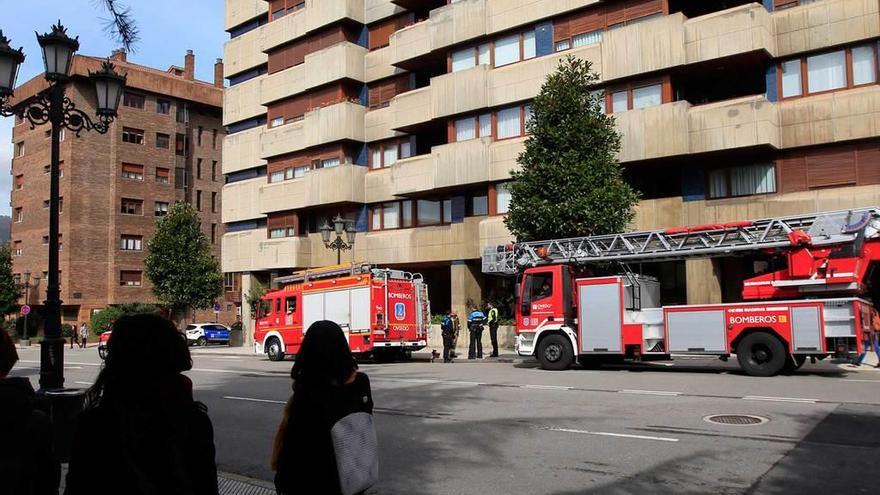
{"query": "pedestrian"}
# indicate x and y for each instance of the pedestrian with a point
(492, 319)
(154, 438)
(447, 331)
(456, 330)
(326, 442)
(74, 337)
(28, 464)
(476, 319)
(83, 335)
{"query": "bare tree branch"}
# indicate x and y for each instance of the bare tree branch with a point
(121, 24)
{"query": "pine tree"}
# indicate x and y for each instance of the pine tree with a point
(570, 182)
(179, 263)
(9, 292)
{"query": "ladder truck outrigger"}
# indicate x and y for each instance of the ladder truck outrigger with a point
(815, 307)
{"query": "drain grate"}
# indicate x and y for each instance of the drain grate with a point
(736, 419)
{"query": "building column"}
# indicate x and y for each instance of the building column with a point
(703, 281)
(247, 318)
(466, 284)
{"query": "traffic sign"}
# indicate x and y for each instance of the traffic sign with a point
(25, 310)
(216, 307)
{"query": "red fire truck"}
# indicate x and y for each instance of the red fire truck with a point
(812, 308)
(384, 313)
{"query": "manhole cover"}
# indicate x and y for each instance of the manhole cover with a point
(735, 419)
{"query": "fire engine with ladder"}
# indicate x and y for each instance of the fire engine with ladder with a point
(812, 308)
(384, 313)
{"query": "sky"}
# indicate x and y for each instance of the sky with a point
(167, 29)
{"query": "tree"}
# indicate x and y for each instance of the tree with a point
(121, 25)
(179, 262)
(104, 319)
(570, 182)
(9, 291)
(256, 291)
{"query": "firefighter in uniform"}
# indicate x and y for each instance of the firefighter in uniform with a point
(447, 331)
(492, 320)
(476, 320)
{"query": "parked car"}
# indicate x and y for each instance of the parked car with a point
(205, 333)
(102, 343)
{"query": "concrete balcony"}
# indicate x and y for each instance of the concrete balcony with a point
(653, 132)
(825, 24)
(245, 52)
(739, 123)
(493, 232)
(376, 10)
(316, 14)
(378, 65)
(378, 186)
(252, 250)
(342, 121)
(341, 184)
(241, 200)
(831, 117)
(411, 108)
(379, 124)
(242, 101)
(729, 32)
(241, 150)
(340, 61)
(241, 11)
(418, 245)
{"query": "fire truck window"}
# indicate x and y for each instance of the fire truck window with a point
(291, 305)
(277, 305)
(541, 285)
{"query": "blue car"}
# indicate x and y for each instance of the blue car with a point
(206, 333)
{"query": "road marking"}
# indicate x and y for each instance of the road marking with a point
(238, 372)
(71, 362)
(617, 435)
(250, 399)
(426, 381)
(781, 399)
(650, 392)
(863, 381)
(84, 383)
(73, 367)
(546, 387)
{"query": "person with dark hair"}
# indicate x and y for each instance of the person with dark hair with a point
(154, 438)
(28, 464)
(331, 404)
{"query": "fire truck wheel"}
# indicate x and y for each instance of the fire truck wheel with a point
(554, 352)
(761, 354)
(273, 349)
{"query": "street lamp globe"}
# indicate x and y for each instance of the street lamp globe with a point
(27, 276)
(350, 232)
(108, 86)
(58, 49)
(325, 232)
(339, 225)
(10, 61)
(17, 278)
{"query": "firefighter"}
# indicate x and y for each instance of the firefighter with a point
(456, 330)
(476, 320)
(492, 320)
(447, 331)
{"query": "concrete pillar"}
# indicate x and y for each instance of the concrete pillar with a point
(466, 286)
(247, 318)
(703, 281)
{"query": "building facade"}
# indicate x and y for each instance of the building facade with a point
(408, 116)
(165, 146)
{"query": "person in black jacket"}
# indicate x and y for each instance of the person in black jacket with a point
(28, 465)
(141, 432)
(326, 387)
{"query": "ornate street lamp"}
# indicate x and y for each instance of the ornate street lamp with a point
(53, 107)
(340, 227)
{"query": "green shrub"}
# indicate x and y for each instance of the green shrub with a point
(67, 330)
(104, 319)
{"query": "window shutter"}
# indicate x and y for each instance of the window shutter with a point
(868, 163)
(132, 168)
(380, 33)
(831, 167)
(639, 8)
(296, 107)
(587, 21)
(562, 29)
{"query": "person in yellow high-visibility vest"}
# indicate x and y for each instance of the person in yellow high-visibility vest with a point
(493, 321)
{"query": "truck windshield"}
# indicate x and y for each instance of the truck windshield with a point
(265, 308)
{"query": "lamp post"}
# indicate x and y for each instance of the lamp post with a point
(53, 107)
(27, 299)
(340, 227)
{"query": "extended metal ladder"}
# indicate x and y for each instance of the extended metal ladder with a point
(834, 227)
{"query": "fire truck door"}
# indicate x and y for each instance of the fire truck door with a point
(697, 331)
(806, 329)
(337, 307)
(600, 317)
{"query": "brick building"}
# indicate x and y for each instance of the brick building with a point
(408, 116)
(165, 146)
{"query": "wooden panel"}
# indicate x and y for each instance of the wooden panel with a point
(293, 54)
(380, 32)
(793, 173)
(589, 20)
(382, 92)
(868, 163)
(831, 167)
(278, 220)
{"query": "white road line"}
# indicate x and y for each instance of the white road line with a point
(546, 387)
(84, 383)
(69, 362)
(649, 392)
(238, 372)
(617, 435)
(425, 381)
(250, 399)
(781, 399)
(73, 367)
(863, 381)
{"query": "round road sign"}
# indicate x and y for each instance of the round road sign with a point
(25, 310)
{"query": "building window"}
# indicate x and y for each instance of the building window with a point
(45, 203)
(471, 57)
(479, 205)
(163, 175)
(132, 206)
(647, 96)
(19, 149)
(328, 163)
(180, 145)
(132, 172)
(509, 123)
(830, 71)
(214, 170)
(502, 198)
(19, 215)
(131, 242)
(387, 153)
(276, 176)
(786, 4)
(133, 100)
(406, 214)
(214, 139)
(199, 200)
(229, 282)
(182, 114)
(133, 136)
(19, 182)
(742, 181)
(198, 168)
(163, 106)
(161, 208)
(163, 140)
(300, 171)
(16, 248)
(213, 202)
(280, 8)
(635, 96)
(130, 278)
(214, 232)
(199, 136)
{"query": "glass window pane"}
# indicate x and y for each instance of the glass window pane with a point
(486, 125)
(300, 171)
(718, 183)
(587, 38)
(405, 149)
(563, 45)
(377, 218)
(484, 58)
(480, 205)
(791, 78)
(528, 112)
(288, 173)
(465, 129)
(826, 71)
(277, 233)
(502, 194)
(463, 59)
(390, 155)
(509, 123)
(619, 101)
(529, 49)
(507, 50)
(277, 176)
(406, 207)
(428, 212)
(391, 215)
(376, 158)
(864, 68)
(647, 96)
(447, 211)
(753, 179)
(330, 163)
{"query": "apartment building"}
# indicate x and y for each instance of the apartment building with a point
(407, 117)
(165, 146)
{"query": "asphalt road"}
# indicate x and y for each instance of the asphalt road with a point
(487, 428)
